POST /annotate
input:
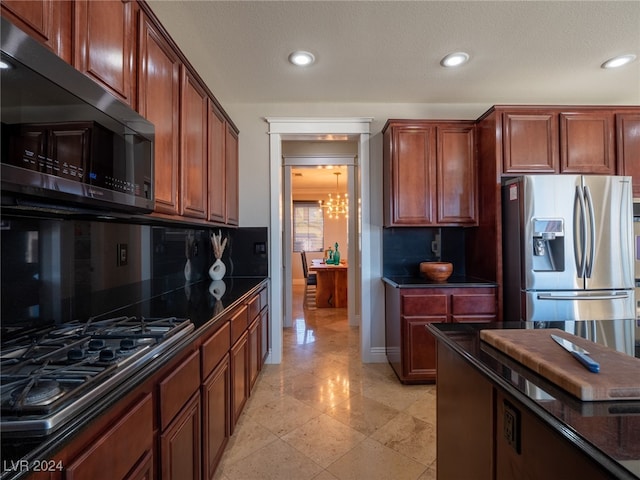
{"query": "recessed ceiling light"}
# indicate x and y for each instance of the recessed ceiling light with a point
(455, 59)
(618, 61)
(301, 58)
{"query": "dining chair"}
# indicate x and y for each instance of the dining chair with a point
(311, 279)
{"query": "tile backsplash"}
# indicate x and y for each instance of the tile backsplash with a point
(56, 270)
(404, 248)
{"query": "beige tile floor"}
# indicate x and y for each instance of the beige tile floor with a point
(324, 415)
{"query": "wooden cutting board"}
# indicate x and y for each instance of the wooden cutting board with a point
(619, 377)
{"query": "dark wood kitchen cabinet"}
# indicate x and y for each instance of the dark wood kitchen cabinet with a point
(239, 362)
(216, 398)
(223, 168)
(97, 38)
(530, 141)
(255, 351)
(125, 450)
(216, 423)
(410, 348)
(258, 309)
(180, 448)
(180, 420)
(194, 108)
(587, 142)
(455, 175)
(48, 21)
(232, 176)
(104, 35)
(121, 45)
(628, 146)
(239, 377)
(557, 140)
(159, 102)
(429, 173)
(217, 165)
(176, 422)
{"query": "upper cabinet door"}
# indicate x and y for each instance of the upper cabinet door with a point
(217, 170)
(456, 175)
(193, 151)
(587, 143)
(159, 102)
(104, 34)
(410, 171)
(232, 176)
(48, 21)
(628, 141)
(530, 142)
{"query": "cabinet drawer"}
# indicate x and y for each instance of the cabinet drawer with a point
(177, 387)
(473, 304)
(254, 307)
(128, 441)
(239, 324)
(215, 348)
(424, 305)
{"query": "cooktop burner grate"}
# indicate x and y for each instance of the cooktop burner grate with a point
(48, 374)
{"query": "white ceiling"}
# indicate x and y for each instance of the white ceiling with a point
(316, 181)
(389, 51)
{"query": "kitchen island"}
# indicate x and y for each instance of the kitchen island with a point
(187, 399)
(509, 422)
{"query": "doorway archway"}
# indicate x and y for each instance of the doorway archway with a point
(282, 129)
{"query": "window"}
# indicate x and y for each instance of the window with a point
(308, 227)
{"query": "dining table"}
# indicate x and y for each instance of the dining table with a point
(331, 286)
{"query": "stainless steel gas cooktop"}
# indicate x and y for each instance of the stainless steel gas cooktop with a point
(49, 375)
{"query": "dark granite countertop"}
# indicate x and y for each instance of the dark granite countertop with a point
(423, 282)
(189, 300)
(583, 424)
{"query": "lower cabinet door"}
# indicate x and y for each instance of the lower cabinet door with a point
(180, 444)
(239, 377)
(216, 396)
(120, 450)
(254, 352)
(419, 349)
(144, 469)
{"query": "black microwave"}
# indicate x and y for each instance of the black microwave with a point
(66, 141)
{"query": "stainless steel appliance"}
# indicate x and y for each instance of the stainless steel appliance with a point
(568, 248)
(66, 141)
(48, 375)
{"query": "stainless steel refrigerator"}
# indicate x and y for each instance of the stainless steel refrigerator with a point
(568, 248)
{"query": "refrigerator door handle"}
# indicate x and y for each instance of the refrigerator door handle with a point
(579, 234)
(613, 296)
(592, 232)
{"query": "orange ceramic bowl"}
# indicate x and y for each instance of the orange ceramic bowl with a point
(436, 271)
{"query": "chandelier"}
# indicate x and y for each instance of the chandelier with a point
(336, 205)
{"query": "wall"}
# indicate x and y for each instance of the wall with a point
(254, 174)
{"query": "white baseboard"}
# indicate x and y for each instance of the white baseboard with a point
(378, 355)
